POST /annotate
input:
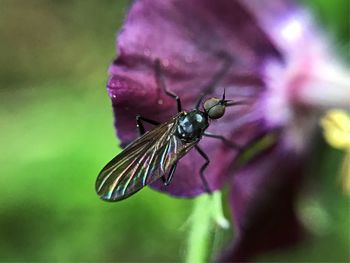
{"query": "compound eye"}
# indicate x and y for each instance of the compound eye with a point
(216, 112)
(214, 108)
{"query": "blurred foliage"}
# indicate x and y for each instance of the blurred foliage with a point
(334, 17)
(57, 132)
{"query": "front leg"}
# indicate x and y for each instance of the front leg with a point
(223, 139)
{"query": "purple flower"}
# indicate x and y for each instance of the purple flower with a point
(281, 68)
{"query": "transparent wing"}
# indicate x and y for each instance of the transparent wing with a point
(142, 162)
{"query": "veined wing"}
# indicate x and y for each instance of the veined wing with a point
(142, 162)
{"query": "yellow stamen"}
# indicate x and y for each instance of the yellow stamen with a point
(336, 130)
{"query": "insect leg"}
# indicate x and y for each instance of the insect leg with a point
(167, 181)
(204, 166)
(161, 84)
(142, 130)
(139, 124)
(223, 139)
(227, 62)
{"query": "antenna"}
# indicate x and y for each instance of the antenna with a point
(217, 77)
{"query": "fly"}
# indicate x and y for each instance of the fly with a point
(154, 155)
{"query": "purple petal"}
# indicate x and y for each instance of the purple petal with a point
(187, 36)
(262, 200)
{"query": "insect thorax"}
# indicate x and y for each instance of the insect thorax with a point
(191, 125)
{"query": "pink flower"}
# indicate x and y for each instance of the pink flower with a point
(283, 70)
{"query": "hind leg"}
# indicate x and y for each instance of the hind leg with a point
(161, 84)
(204, 166)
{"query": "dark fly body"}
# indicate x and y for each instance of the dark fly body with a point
(154, 155)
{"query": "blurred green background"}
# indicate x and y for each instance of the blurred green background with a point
(56, 132)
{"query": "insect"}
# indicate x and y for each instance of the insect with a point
(154, 155)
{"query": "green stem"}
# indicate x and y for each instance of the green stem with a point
(207, 214)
